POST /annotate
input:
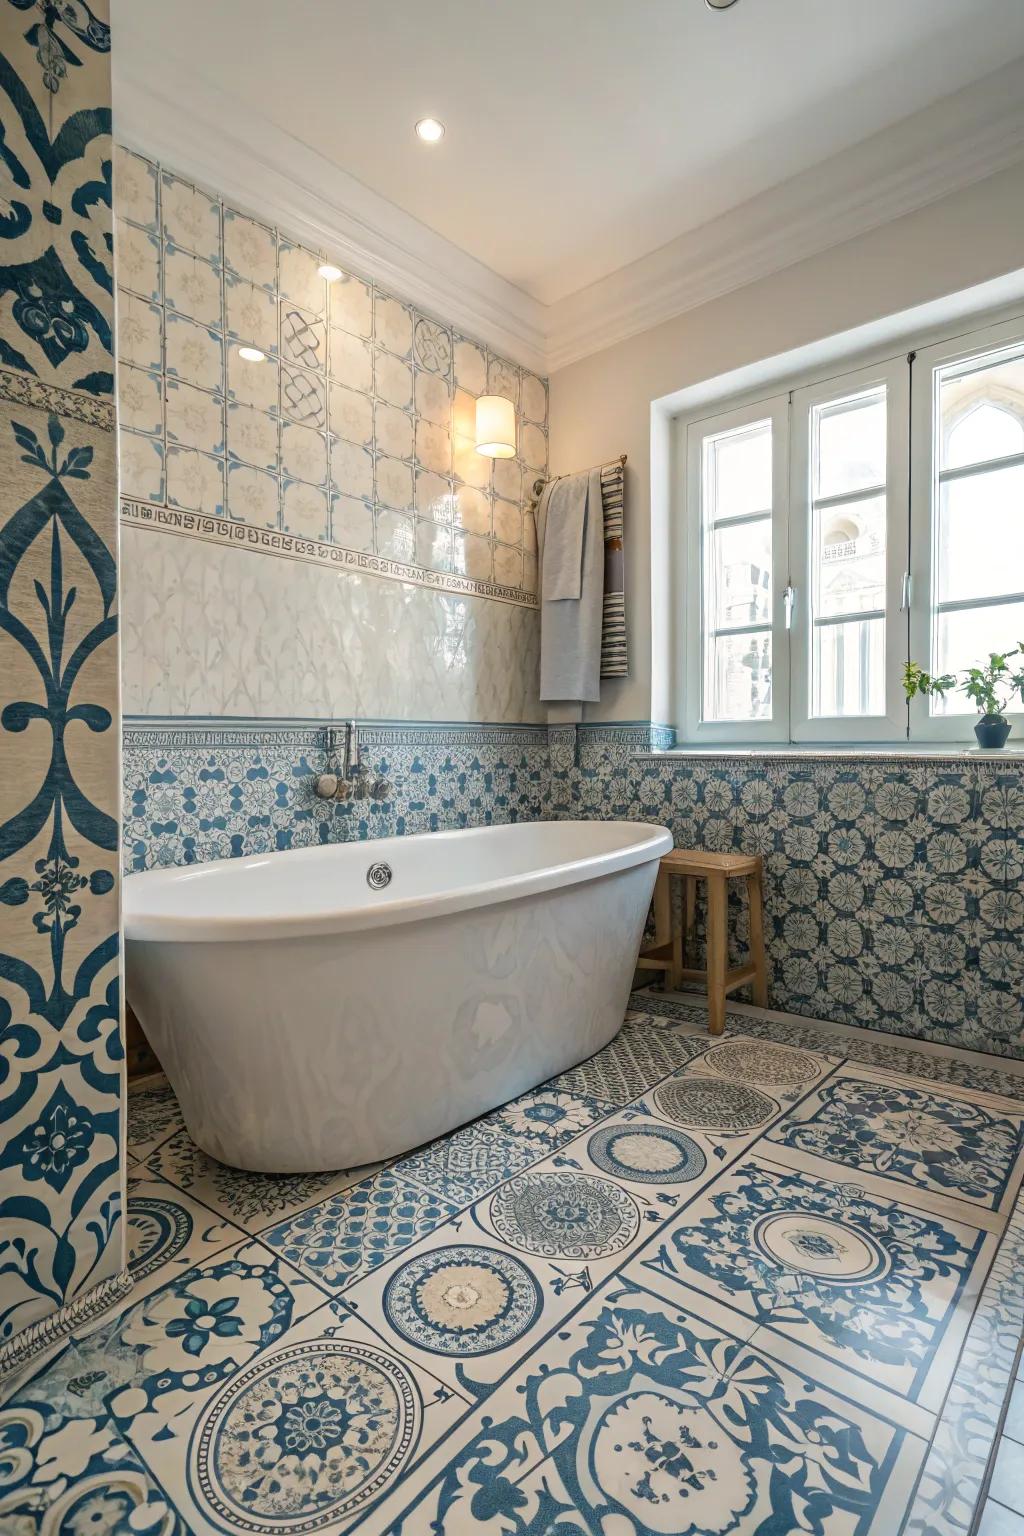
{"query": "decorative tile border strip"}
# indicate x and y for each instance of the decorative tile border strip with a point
(172, 731)
(40, 1336)
(269, 541)
(23, 390)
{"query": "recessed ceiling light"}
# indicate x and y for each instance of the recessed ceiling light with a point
(252, 354)
(329, 272)
(719, 5)
(430, 130)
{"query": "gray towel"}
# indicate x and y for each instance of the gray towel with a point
(565, 514)
(570, 628)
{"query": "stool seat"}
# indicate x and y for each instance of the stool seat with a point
(690, 861)
(667, 953)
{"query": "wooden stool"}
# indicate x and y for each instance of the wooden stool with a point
(668, 952)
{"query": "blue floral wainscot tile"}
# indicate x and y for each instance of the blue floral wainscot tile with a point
(644, 1419)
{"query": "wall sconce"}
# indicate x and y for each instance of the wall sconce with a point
(496, 427)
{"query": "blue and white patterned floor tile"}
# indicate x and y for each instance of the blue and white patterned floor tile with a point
(907, 1131)
(471, 1162)
(253, 1201)
(153, 1117)
(167, 1231)
(343, 1237)
(642, 1418)
(744, 1285)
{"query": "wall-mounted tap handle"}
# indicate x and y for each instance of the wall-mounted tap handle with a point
(379, 789)
(325, 786)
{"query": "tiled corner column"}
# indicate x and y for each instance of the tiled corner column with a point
(61, 1175)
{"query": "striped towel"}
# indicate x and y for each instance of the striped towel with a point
(614, 657)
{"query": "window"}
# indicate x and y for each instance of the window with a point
(738, 474)
(812, 580)
(968, 514)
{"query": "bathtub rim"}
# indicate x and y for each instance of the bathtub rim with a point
(651, 842)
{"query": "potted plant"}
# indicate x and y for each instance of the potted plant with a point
(992, 687)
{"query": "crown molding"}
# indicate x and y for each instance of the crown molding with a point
(262, 169)
(265, 171)
(963, 138)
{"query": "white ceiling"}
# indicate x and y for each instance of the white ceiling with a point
(582, 134)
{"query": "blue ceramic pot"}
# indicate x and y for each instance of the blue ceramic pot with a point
(992, 731)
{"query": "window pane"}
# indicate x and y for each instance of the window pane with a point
(966, 638)
(981, 411)
(738, 472)
(738, 677)
(980, 537)
(740, 575)
(849, 556)
(848, 668)
(849, 437)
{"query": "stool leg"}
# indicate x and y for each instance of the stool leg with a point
(718, 953)
(675, 976)
(689, 911)
(662, 908)
(755, 903)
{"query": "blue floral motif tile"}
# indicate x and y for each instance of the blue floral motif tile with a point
(111, 1490)
(634, 1061)
(548, 1117)
(153, 1116)
(646, 1421)
(353, 1232)
(470, 1163)
(911, 1134)
(251, 1200)
(858, 1279)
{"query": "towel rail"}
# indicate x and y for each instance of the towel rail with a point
(541, 480)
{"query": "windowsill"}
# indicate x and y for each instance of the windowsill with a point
(934, 751)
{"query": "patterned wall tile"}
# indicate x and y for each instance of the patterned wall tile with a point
(194, 793)
(345, 360)
(61, 1237)
(892, 895)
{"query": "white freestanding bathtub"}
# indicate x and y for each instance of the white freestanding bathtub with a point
(332, 1006)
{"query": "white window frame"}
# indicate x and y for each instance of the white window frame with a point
(775, 409)
(894, 375)
(924, 469)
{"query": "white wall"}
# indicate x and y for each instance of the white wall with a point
(601, 406)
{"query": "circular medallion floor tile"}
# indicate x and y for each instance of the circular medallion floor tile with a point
(463, 1300)
(710, 1104)
(157, 1231)
(304, 1438)
(564, 1215)
(646, 1154)
(761, 1062)
(821, 1246)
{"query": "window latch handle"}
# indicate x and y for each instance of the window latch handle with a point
(905, 595)
(789, 598)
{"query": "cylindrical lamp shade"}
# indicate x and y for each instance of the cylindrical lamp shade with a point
(496, 427)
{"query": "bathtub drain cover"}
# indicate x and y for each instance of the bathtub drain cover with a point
(378, 876)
